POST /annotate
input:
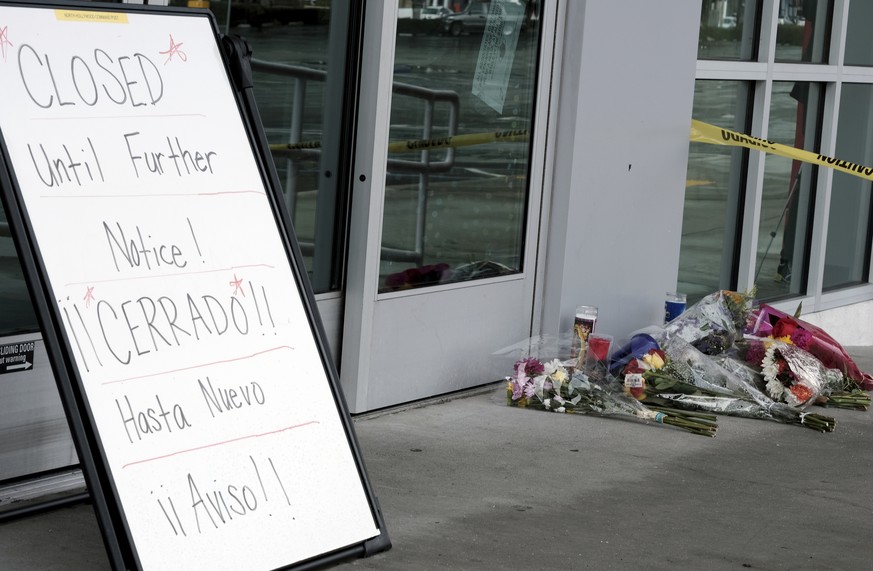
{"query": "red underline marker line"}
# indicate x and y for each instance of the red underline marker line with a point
(136, 278)
(153, 195)
(91, 117)
(158, 374)
(220, 443)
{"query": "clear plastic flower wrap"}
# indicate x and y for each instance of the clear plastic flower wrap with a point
(715, 322)
(769, 321)
(559, 386)
(733, 392)
(788, 373)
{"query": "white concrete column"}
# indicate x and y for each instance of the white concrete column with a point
(623, 109)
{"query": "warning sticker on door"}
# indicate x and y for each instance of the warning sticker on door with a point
(16, 357)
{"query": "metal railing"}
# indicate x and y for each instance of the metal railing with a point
(424, 166)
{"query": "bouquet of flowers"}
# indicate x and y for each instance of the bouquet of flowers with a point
(715, 322)
(552, 386)
(794, 376)
(769, 321)
(711, 387)
(790, 374)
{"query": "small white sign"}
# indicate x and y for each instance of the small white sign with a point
(497, 53)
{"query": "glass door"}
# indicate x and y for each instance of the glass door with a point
(305, 77)
(453, 202)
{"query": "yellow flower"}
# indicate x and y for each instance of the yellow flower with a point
(560, 375)
(785, 339)
(653, 360)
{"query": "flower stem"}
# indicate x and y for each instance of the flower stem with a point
(852, 400)
(818, 422)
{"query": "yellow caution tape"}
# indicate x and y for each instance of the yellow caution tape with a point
(302, 145)
(457, 141)
(706, 133)
(425, 144)
(700, 133)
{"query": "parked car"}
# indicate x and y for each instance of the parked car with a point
(472, 19)
(728, 22)
(432, 13)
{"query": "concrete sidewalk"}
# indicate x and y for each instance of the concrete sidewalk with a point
(469, 483)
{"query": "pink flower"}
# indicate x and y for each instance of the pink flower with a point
(530, 367)
(802, 338)
(517, 389)
(755, 352)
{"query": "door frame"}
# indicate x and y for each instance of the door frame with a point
(403, 346)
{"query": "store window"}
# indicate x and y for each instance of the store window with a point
(714, 191)
(804, 30)
(859, 40)
(788, 192)
(847, 255)
(16, 310)
(729, 29)
(300, 75)
(457, 179)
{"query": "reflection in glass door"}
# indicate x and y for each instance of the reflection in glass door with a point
(300, 62)
(459, 152)
(305, 80)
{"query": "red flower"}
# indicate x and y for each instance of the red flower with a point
(802, 392)
(634, 367)
(785, 327)
(783, 367)
(599, 347)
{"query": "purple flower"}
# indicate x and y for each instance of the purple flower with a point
(529, 390)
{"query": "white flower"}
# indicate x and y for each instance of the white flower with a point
(539, 383)
(775, 389)
(792, 399)
(561, 409)
(768, 365)
(555, 370)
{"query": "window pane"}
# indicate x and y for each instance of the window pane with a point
(859, 40)
(455, 212)
(295, 58)
(789, 188)
(804, 31)
(728, 29)
(847, 254)
(713, 192)
(16, 311)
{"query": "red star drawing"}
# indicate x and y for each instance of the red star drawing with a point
(89, 296)
(174, 50)
(4, 41)
(237, 285)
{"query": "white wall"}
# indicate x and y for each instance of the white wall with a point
(623, 119)
(849, 325)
